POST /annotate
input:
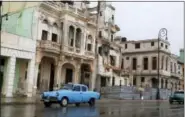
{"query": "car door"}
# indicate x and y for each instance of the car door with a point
(85, 95)
(77, 95)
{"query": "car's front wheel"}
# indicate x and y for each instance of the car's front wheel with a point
(171, 102)
(47, 104)
(77, 104)
(64, 102)
(92, 102)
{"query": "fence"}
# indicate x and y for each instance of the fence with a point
(128, 92)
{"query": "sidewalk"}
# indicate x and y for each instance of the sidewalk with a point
(22, 101)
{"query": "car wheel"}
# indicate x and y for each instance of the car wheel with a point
(47, 104)
(171, 102)
(77, 104)
(92, 102)
(64, 102)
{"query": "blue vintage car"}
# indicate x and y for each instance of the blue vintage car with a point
(70, 94)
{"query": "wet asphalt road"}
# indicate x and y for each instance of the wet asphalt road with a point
(118, 109)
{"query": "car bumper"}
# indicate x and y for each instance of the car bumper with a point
(50, 99)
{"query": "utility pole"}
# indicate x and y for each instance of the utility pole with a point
(96, 48)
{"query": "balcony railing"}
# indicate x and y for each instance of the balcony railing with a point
(48, 45)
(71, 49)
(61, 7)
(89, 53)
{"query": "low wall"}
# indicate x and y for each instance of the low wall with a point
(128, 92)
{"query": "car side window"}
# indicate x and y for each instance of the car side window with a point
(76, 88)
(84, 89)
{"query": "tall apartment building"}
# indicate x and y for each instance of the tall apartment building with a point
(56, 41)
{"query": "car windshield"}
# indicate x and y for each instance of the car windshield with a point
(179, 93)
(68, 86)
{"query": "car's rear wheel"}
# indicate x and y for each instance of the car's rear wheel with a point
(171, 102)
(64, 102)
(92, 102)
(77, 104)
(47, 104)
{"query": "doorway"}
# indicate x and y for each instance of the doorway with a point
(51, 83)
(69, 75)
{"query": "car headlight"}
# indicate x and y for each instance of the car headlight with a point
(57, 94)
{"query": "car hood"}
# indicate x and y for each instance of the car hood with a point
(54, 92)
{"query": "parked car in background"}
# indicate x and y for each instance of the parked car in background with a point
(177, 96)
(70, 94)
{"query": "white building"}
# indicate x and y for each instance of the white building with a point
(18, 47)
(140, 63)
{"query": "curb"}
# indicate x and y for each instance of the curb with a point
(99, 101)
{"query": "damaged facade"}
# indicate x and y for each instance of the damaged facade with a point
(55, 44)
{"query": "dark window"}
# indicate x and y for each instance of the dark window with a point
(100, 50)
(152, 43)
(134, 64)
(54, 37)
(112, 60)
(171, 67)
(2, 61)
(72, 40)
(89, 47)
(154, 63)
(44, 35)
(112, 37)
(125, 46)
(112, 17)
(100, 34)
(142, 79)
(84, 89)
(113, 81)
(166, 46)
(100, 13)
(122, 64)
(127, 58)
(137, 45)
(76, 88)
(175, 67)
(161, 44)
(145, 63)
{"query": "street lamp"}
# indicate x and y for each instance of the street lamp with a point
(161, 35)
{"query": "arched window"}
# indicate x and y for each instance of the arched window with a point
(44, 35)
(71, 36)
(78, 38)
(89, 42)
(54, 37)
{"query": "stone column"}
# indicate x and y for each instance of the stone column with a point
(30, 77)
(36, 77)
(58, 76)
(10, 75)
(77, 77)
(74, 40)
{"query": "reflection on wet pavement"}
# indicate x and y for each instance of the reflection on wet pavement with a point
(101, 110)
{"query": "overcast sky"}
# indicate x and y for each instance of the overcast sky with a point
(143, 20)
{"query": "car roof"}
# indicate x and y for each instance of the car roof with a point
(77, 84)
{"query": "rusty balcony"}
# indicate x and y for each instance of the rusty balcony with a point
(48, 46)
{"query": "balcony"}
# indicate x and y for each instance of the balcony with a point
(59, 6)
(48, 46)
(112, 67)
(90, 54)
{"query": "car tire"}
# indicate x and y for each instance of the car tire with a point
(64, 102)
(47, 104)
(77, 104)
(171, 102)
(92, 102)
